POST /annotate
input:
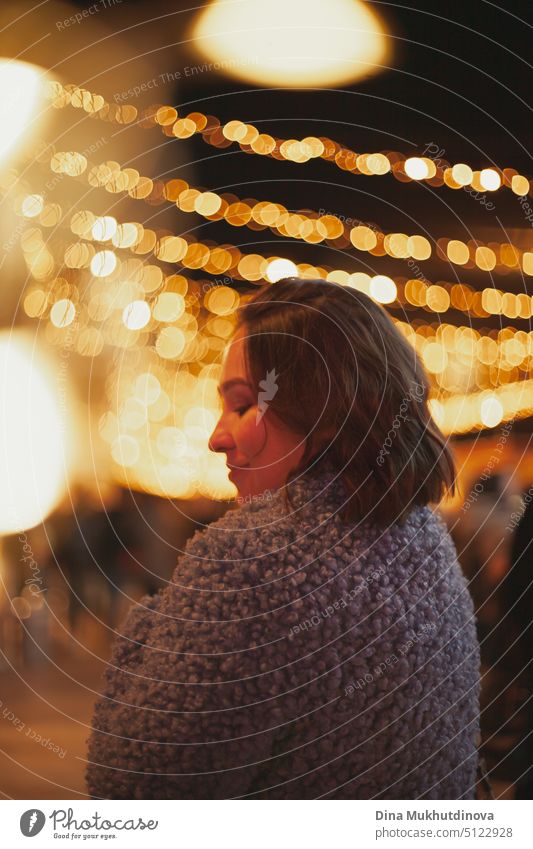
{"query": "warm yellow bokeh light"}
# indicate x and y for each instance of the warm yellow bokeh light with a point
(280, 268)
(435, 358)
(20, 87)
(125, 451)
(462, 174)
(416, 168)
(32, 206)
(458, 252)
(147, 388)
(383, 289)
(103, 263)
(171, 442)
(169, 307)
(301, 43)
(136, 315)
(33, 453)
(490, 179)
(104, 228)
(491, 411)
(62, 313)
(520, 185)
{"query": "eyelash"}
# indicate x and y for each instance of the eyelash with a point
(241, 410)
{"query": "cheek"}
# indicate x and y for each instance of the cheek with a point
(249, 436)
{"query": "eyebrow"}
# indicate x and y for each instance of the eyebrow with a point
(235, 381)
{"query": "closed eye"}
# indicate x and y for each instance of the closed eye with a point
(241, 410)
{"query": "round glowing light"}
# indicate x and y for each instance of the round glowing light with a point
(136, 315)
(207, 203)
(32, 457)
(280, 268)
(485, 258)
(527, 263)
(419, 247)
(490, 179)
(340, 41)
(169, 307)
(491, 411)
(435, 357)
(103, 263)
(377, 163)
(360, 281)
(35, 303)
(170, 343)
(437, 298)
(222, 300)
(104, 228)
(383, 289)
(147, 388)
(363, 238)
(32, 206)
(396, 244)
(462, 174)
(171, 442)
(458, 252)
(134, 415)
(125, 451)
(520, 185)
(62, 313)
(437, 411)
(160, 409)
(416, 168)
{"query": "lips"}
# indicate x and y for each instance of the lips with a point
(235, 469)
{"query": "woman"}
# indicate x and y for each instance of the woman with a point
(319, 640)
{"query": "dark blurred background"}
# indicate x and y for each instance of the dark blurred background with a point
(455, 85)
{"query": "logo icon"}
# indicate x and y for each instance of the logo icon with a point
(269, 388)
(32, 822)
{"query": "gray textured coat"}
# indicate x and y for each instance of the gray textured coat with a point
(295, 656)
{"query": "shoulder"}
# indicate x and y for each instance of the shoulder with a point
(413, 556)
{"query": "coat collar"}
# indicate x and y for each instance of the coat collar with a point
(321, 484)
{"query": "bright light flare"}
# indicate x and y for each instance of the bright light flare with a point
(297, 43)
(20, 87)
(490, 179)
(416, 168)
(32, 448)
(491, 411)
(383, 289)
(136, 315)
(280, 268)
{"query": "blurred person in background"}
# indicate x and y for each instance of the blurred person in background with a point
(517, 657)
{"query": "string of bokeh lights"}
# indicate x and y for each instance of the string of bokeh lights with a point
(229, 259)
(106, 287)
(312, 227)
(436, 172)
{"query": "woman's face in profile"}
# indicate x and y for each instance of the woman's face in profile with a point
(260, 450)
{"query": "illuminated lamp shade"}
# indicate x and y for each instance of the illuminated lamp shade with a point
(301, 43)
(21, 86)
(34, 437)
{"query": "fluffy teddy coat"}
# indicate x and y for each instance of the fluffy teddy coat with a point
(295, 656)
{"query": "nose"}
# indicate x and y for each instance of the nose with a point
(220, 440)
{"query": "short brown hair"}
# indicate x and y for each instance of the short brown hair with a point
(346, 371)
